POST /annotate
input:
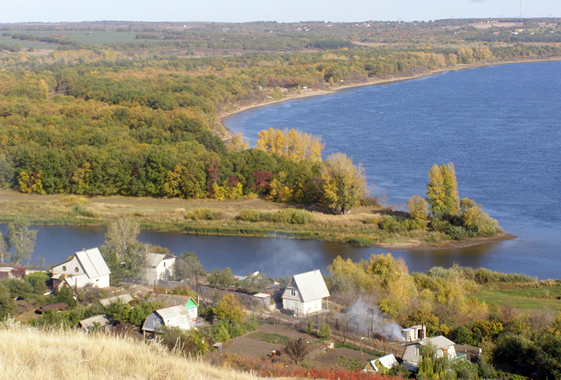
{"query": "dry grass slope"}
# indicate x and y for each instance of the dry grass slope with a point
(29, 353)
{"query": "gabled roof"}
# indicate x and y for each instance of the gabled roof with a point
(438, 341)
(154, 259)
(126, 298)
(172, 300)
(88, 323)
(93, 263)
(388, 361)
(176, 316)
(311, 285)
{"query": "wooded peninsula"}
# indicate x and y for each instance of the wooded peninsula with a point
(99, 119)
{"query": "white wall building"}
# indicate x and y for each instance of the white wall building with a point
(159, 267)
(305, 293)
(86, 267)
(413, 352)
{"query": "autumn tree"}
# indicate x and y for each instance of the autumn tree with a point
(442, 191)
(185, 266)
(21, 240)
(237, 143)
(293, 144)
(476, 220)
(417, 207)
(230, 309)
(343, 184)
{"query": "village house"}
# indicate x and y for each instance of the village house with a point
(305, 292)
(160, 267)
(186, 302)
(172, 316)
(413, 352)
(12, 272)
(97, 322)
(86, 267)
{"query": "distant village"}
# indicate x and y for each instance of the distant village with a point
(302, 305)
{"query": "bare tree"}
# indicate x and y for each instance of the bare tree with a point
(296, 349)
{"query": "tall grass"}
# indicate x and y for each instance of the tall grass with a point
(29, 353)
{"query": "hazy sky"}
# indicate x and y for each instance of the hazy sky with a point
(269, 10)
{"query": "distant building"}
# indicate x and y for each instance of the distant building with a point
(160, 267)
(173, 316)
(87, 267)
(305, 293)
(12, 272)
(414, 333)
(414, 351)
(55, 306)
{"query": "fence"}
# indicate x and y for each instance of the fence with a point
(345, 331)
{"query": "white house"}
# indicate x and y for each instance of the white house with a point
(159, 267)
(388, 361)
(413, 352)
(172, 316)
(305, 293)
(86, 267)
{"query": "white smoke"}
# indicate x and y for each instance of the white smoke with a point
(370, 318)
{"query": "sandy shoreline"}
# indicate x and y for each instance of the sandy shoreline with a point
(227, 134)
(450, 244)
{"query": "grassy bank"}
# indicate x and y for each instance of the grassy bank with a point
(221, 218)
(29, 353)
(544, 295)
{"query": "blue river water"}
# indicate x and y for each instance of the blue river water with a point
(499, 125)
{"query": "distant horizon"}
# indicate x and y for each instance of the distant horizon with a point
(288, 11)
(511, 19)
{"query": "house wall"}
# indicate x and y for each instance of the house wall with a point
(165, 267)
(69, 268)
(193, 313)
(83, 280)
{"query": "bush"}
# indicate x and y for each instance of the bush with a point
(252, 216)
(324, 331)
(393, 224)
(361, 241)
(82, 211)
(417, 208)
(204, 213)
(416, 224)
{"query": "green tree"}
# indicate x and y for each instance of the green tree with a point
(324, 331)
(548, 357)
(442, 191)
(4, 252)
(433, 367)
(119, 311)
(343, 184)
(222, 278)
(186, 265)
(7, 303)
(124, 254)
(21, 240)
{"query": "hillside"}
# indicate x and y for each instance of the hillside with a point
(28, 353)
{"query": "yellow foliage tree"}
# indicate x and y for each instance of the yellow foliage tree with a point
(293, 144)
(343, 184)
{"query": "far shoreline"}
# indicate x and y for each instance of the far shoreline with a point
(227, 134)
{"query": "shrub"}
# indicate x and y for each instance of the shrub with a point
(324, 331)
(416, 224)
(82, 211)
(253, 216)
(393, 224)
(361, 241)
(204, 213)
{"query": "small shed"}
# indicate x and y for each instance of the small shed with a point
(174, 300)
(263, 299)
(414, 333)
(388, 361)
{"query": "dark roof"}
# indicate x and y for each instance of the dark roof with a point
(54, 306)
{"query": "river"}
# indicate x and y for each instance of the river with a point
(499, 125)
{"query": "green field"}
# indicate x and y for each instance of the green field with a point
(28, 44)
(546, 297)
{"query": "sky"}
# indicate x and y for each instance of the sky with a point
(270, 10)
